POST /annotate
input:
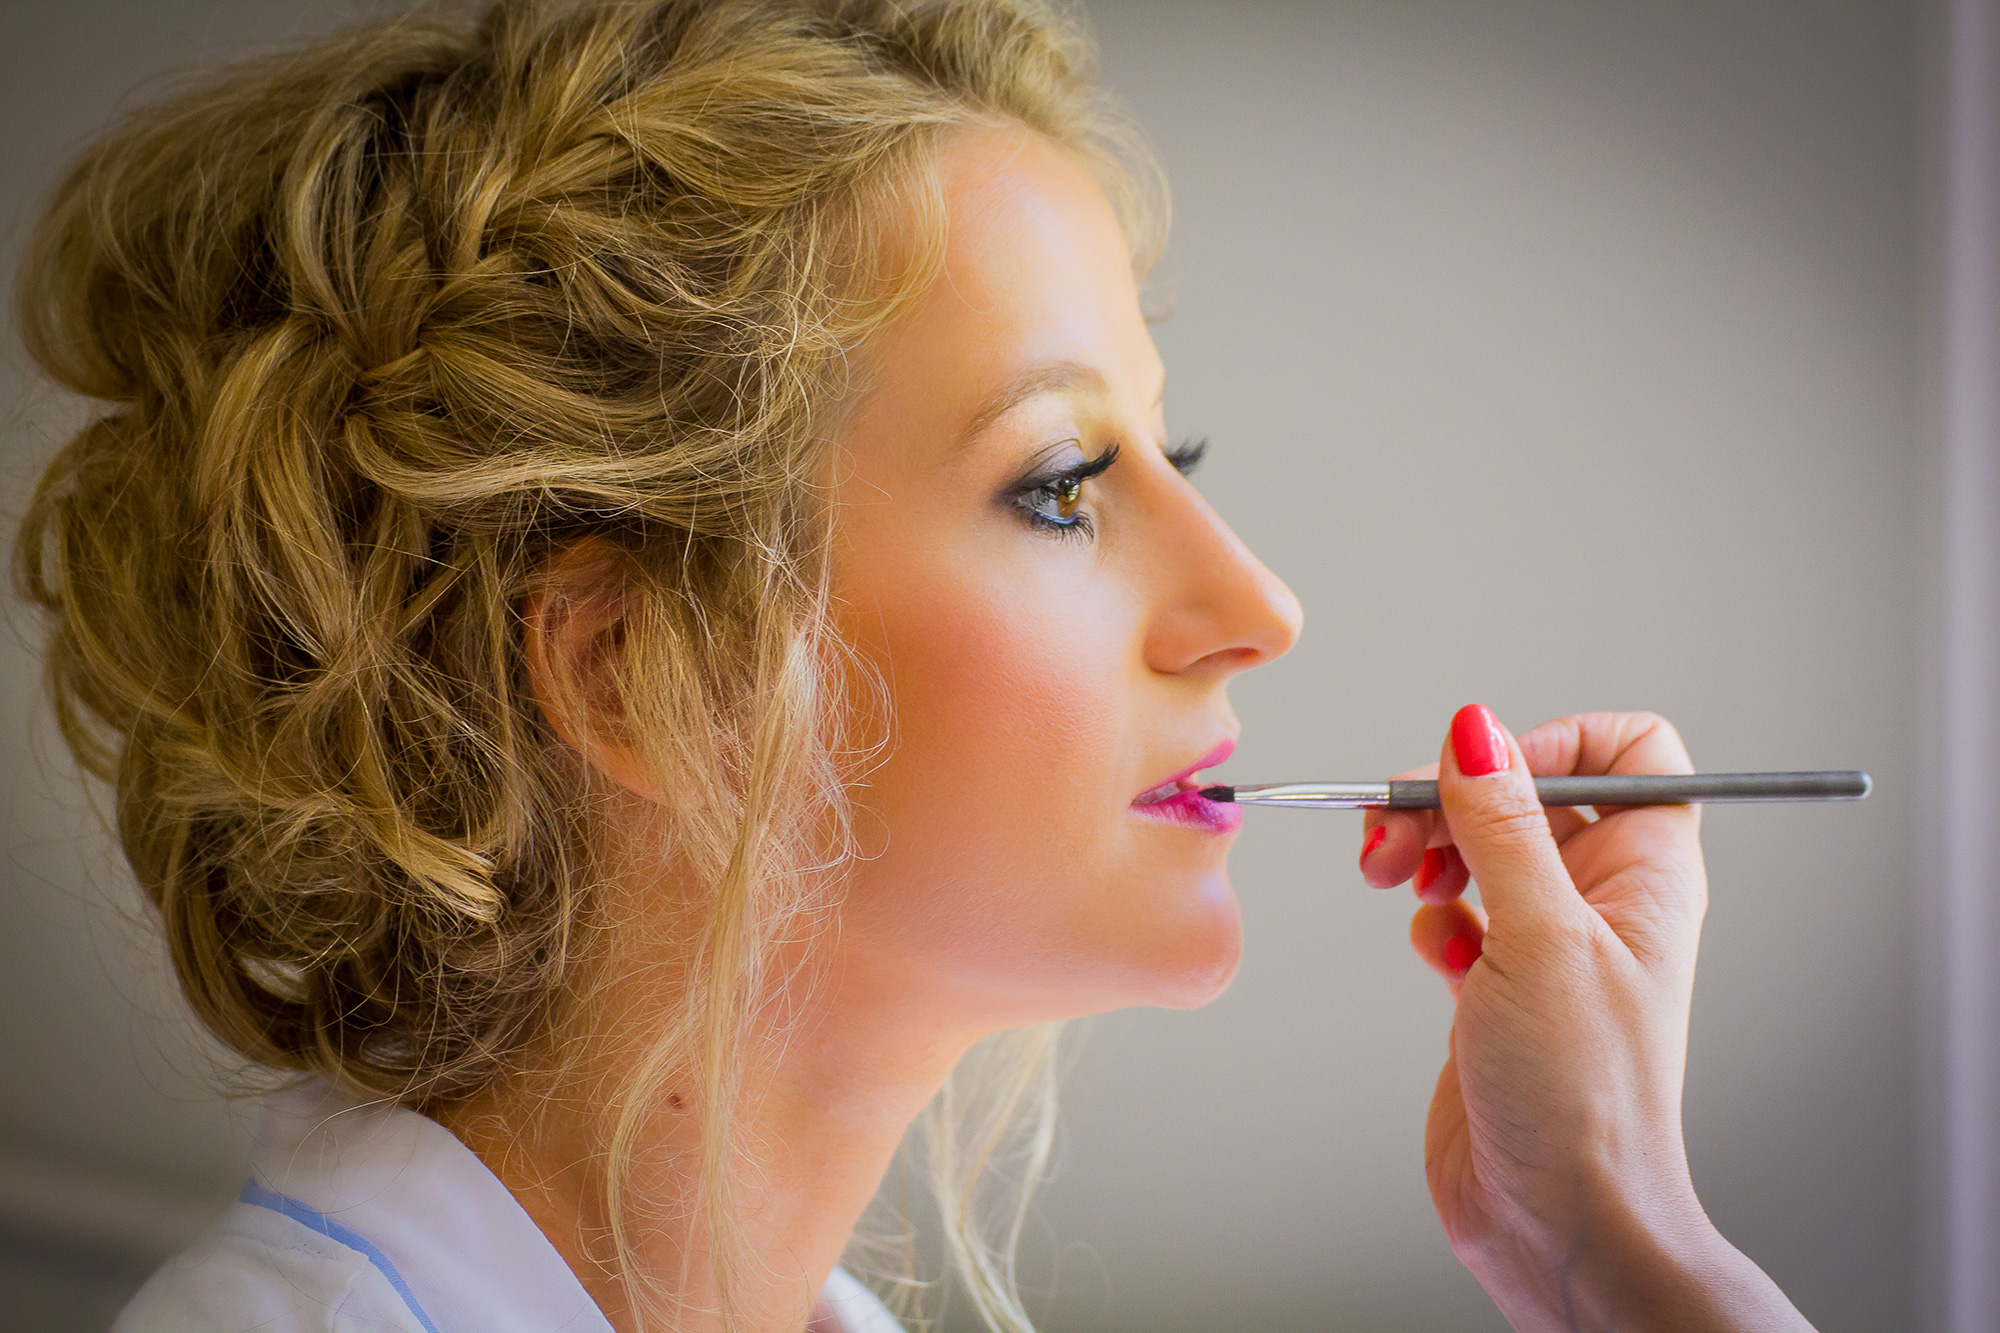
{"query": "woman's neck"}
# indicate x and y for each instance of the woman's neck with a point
(817, 1128)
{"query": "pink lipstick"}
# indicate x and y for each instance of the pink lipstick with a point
(1179, 799)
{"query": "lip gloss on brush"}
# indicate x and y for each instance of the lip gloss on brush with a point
(1635, 789)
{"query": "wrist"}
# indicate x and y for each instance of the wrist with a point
(1587, 1267)
(1647, 1264)
(1644, 1265)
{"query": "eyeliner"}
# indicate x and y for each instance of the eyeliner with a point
(1634, 789)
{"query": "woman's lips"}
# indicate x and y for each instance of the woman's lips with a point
(1178, 800)
(1195, 810)
(1184, 780)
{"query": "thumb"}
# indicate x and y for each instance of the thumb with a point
(1498, 825)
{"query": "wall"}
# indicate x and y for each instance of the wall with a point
(1561, 355)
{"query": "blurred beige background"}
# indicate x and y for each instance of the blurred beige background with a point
(1562, 355)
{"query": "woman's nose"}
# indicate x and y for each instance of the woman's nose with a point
(1219, 608)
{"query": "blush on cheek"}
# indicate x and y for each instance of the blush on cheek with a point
(1005, 746)
(1007, 692)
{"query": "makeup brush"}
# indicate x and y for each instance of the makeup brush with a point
(1636, 789)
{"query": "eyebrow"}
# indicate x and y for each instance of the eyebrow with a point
(1049, 377)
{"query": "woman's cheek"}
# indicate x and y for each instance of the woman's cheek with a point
(1010, 717)
(1017, 707)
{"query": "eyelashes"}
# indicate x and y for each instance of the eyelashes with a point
(1187, 455)
(1051, 502)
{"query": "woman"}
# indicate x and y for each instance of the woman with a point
(636, 599)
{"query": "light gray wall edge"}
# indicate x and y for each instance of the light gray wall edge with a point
(1959, 943)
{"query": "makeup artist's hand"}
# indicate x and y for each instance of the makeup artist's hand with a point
(1554, 1142)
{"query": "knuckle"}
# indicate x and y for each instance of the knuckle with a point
(1572, 934)
(1513, 818)
(1635, 742)
(1571, 729)
(1646, 724)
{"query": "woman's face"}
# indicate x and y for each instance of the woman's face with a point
(1056, 646)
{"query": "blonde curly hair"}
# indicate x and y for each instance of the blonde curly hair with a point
(384, 325)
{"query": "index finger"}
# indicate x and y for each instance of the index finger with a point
(1597, 744)
(1600, 743)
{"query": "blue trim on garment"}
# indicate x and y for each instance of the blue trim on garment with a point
(257, 1196)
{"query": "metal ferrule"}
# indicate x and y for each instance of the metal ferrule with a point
(1316, 795)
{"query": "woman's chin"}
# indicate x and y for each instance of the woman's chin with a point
(1199, 960)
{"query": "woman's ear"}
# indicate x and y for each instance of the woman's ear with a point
(573, 624)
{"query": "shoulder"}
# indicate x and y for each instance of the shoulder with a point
(260, 1269)
(847, 1306)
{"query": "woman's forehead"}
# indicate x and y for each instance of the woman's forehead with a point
(1034, 300)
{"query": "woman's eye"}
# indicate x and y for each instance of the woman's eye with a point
(1068, 495)
(1057, 506)
(1053, 501)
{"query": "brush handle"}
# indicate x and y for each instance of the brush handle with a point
(1665, 789)
(1635, 789)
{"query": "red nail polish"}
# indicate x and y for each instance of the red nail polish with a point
(1374, 839)
(1477, 741)
(1429, 868)
(1461, 952)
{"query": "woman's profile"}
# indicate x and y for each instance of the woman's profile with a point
(649, 635)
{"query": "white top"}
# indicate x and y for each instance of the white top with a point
(375, 1219)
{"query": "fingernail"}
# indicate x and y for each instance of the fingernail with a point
(1460, 953)
(1429, 868)
(1477, 741)
(1374, 839)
